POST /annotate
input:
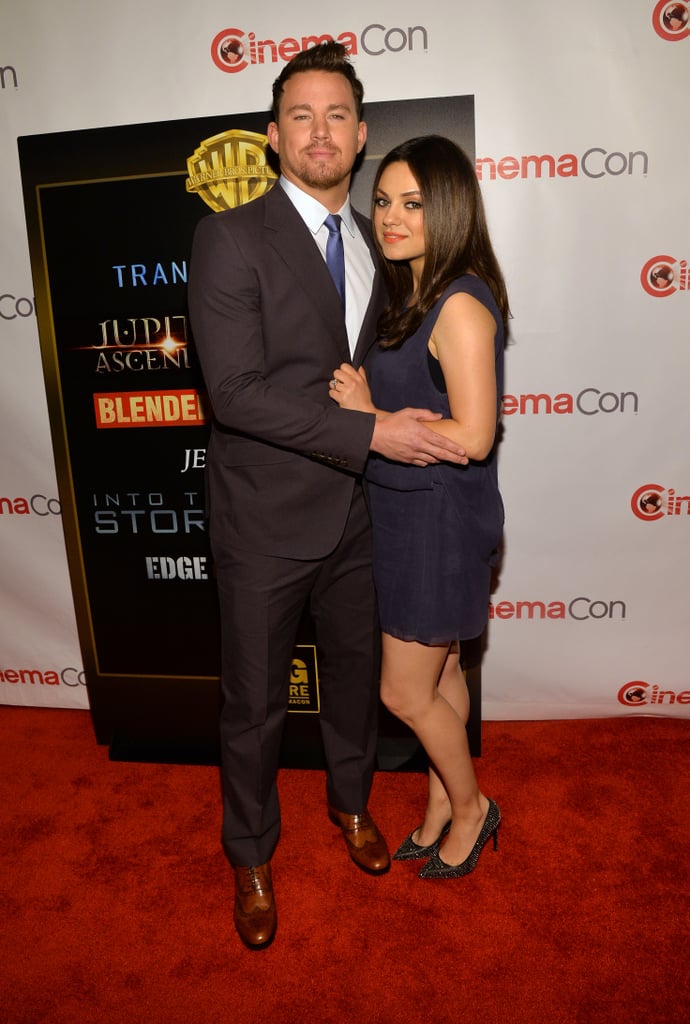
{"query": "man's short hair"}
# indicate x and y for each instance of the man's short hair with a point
(329, 56)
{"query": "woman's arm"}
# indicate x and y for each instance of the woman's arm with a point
(463, 343)
(403, 436)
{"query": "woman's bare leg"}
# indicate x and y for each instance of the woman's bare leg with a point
(424, 687)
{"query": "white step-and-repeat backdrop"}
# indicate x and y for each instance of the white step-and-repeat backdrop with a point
(582, 147)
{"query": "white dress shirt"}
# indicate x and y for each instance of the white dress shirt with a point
(359, 266)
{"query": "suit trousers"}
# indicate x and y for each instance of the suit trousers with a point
(262, 599)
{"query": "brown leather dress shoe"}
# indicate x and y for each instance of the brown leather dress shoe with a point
(255, 908)
(364, 842)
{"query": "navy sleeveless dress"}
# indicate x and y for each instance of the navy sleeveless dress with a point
(436, 529)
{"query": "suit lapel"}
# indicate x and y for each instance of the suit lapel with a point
(292, 240)
(377, 300)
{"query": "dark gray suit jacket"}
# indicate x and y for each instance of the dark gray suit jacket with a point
(269, 331)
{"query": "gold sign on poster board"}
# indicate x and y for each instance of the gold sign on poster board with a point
(230, 169)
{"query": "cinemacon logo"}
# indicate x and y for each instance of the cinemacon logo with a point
(579, 608)
(233, 49)
(663, 275)
(595, 162)
(13, 306)
(589, 402)
(671, 20)
(638, 693)
(652, 501)
(51, 677)
(39, 504)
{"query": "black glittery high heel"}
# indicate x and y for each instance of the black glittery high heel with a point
(409, 850)
(437, 868)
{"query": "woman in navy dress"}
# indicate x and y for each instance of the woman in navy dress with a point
(436, 528)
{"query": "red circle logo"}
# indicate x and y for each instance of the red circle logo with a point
(647, 502)
(633, 694)
(227, 50)
(657, 276)
(671, 20)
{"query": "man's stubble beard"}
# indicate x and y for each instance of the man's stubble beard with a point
(322, 176)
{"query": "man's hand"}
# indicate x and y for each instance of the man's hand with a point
(402, 437)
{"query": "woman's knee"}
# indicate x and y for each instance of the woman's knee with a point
(388, 696)
(400, 702)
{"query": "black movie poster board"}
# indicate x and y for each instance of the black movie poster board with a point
(110, 215)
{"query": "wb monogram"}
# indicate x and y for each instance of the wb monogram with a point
(230, 169)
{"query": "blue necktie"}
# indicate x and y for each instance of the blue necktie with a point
(335, 255)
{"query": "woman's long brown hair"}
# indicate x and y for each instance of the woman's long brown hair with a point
(456, 235)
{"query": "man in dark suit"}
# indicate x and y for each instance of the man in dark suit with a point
(288, 520)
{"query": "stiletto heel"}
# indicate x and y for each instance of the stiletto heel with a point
(437, 868)
(409, 850)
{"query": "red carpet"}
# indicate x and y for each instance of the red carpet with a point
(116, 902)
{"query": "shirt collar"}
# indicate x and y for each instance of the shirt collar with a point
(312, 212)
